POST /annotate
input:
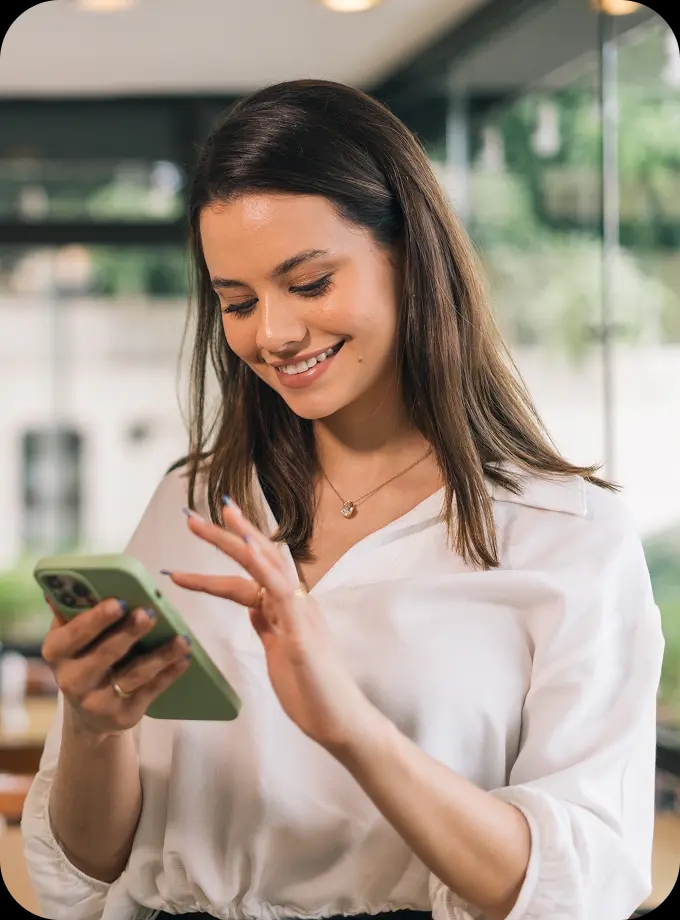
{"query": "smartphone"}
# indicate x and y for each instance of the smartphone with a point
(77, 583)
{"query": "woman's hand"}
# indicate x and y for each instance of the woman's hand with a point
(83, 654)
(306, 669)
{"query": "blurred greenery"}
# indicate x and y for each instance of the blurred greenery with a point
(150, 271)
(663, 559)
(536, 210)
(24, 615)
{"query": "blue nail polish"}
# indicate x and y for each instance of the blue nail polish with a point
(227, 501)
(164, 572)
(152, 615)
(124, 609)
(187, 639)
(246, 539)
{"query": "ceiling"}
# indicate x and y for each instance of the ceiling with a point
(212, 46)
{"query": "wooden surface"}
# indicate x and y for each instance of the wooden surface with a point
(14, 872)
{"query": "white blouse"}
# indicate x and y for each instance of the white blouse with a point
(536, 681)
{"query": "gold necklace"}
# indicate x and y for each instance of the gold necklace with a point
(348, 507)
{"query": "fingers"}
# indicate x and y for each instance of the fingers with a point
(77, 676)
(230, 587)
(72, 637)
(103, 706)
(145, 696)
(145, 670)
(235, 540)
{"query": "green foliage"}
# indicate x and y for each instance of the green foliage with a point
(153, 271)
(663, 559)
(23, 612)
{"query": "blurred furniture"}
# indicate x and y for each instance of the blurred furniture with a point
(20, 751)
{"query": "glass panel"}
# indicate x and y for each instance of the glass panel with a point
(533, 209)
(647, 368)
(39, 191)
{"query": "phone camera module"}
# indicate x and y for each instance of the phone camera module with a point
(53, 581)
(68, 600)
(80, 590)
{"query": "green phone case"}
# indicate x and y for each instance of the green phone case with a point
(200, 693)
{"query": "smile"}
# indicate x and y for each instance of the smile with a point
(291, 370)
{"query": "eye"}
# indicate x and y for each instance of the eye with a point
(315, 289)
(241, 309)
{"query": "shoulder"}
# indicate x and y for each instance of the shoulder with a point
(557, 502)
(565, 522)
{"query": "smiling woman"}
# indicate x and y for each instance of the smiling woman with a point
(451, 650)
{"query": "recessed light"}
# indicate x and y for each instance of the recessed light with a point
(616, 7)
(104, 6)
(350, 6)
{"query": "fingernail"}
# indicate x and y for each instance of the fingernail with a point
(165, 572)
(187, 639)
(231, 504)
(152, 615)
(193, 514)
(123, 606)
(246, 539)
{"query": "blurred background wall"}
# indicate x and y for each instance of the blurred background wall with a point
(554, 127)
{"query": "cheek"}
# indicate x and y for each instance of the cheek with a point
(240, 336)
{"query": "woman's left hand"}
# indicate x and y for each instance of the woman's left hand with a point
(306, 669)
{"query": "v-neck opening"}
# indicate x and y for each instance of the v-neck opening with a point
(374, 537)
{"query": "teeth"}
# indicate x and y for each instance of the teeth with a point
(302, 366)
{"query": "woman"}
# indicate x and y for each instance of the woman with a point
(449, 666)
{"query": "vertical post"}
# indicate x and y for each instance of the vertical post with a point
(609, 109)
(54, 467)
(458, 154)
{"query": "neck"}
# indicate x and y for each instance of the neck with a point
(368, 439)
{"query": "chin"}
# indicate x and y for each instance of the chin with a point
(314, 406)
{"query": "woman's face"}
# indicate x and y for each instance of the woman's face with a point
(296, 283)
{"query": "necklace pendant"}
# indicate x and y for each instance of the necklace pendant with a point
(347, 509)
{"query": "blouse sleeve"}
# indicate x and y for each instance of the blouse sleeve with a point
(62, 890)
(584, 776)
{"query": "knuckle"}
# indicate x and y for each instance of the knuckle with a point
(89, 705)
(69, 685)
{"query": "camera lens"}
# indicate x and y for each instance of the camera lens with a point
(68, 600)
(80, 590)
(53, 581)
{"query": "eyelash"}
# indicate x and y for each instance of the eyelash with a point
(316, 289)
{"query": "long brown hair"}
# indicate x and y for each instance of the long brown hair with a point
(459, 385)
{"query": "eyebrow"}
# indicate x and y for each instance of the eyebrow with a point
(286, 266)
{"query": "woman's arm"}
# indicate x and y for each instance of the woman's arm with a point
(475, 843)
(96, 800)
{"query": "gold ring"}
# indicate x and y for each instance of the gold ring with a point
(120, 693)
(260, 597)
(300, 591)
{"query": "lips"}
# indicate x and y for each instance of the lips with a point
(294, 368)
(308, 378)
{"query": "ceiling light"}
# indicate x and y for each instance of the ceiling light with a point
(616, 7)
(350, 6)
(104, 6)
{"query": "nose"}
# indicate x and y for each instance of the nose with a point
(280, 329)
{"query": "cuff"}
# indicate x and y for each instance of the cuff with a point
(63, 891)
(553, 884)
